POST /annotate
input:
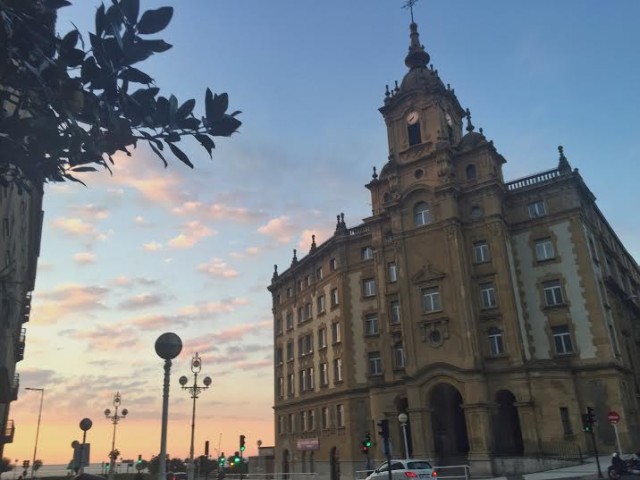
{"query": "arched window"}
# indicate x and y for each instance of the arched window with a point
(421, 215)
(471, 172)
(496, 346)
(413, 131)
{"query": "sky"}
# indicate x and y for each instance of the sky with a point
(149, 250)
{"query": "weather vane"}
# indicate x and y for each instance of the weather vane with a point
(409, 4)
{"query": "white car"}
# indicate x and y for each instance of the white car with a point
(404, 469)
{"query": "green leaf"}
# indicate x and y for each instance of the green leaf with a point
(215, 106)
(55, 4)
(157, 152)
(180, 154)
(84, 169)
(158, 46)
(190, 123)
(154, 21)
(131, 9)
(100, 20)
(185, 109)
(206, 142)
(173, 107)
(134, 75)
(225, 126)
(70, 40)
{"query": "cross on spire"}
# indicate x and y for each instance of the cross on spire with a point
(409, 4)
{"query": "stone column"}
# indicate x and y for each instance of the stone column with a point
(421, 432)
(478, 418)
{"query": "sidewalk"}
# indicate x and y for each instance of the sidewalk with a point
(587, 470)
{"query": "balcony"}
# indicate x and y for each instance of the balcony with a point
(14, 388)
(534, 180)
(9, 431)
(20, 345)
(26, 308)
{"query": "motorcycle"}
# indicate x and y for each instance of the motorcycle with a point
(620, 466)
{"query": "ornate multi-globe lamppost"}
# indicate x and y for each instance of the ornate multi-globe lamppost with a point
(194, 390)
(115, 418)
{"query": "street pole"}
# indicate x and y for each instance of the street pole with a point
(194, 390)
(595, 450)
(115, 418)
(35, 448)
(403, 418)
(168, 346)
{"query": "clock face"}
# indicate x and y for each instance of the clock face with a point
(413, 118)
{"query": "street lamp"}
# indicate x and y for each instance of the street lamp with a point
(115, 418)
(403, 419)
(35, 448)
(194, 390)
(168, 346)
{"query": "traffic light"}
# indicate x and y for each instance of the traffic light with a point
(236, 457)
(364, 448)
(206, 448)
(242, 447)
(139, 459)
(367, 440)
(588, 419)
(25, 464)
(221, 460)
(384, 433)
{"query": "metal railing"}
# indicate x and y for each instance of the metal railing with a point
(9, 431)
(533, 179)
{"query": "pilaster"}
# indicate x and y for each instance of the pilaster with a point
(478, 418)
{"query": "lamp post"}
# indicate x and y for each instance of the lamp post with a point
(403, 418)
(115, 418)
(168, 346)
(194, 390)
(35, 448)
(85, 424)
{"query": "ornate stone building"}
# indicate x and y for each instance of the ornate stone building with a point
(492, 313)
(20, 233)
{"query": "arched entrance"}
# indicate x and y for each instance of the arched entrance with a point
(285, 464)
(334, 464)
(449, 424)
(507, 435)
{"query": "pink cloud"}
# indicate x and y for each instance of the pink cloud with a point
(84, 258)
(247, 252)
(91, 212)
(78, 228)
(281, 229)
(67, 300)
(192, 232)
(216, 267)
(152, 246)
(238, 332)
(143, 300)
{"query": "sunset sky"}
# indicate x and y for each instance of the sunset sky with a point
(150, 250)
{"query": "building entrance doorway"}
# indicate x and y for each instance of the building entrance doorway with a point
(449, 425)
(334, 464)
(507, 435)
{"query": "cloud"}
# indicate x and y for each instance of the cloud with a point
(66, 300)
(247, 252)
(152, 246)
(107, 337)
(91, 212)
(216, 267)
(144, 300)
(78, 228)
(84, 258)
(238, 332)
(192, 232)
(218, 211)
(124, 281)
(140, 221)
(281, 229)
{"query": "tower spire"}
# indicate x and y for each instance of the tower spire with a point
(417, 57)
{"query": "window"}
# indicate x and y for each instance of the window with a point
(334, 297)
(335, 332)
(280, 387)
(496, 346)
(292, 423)
(311, 379)
(278, 299)
(375, 363)
(371, 324)
(369, 287)
(398, 355)
(300, 285)
(421, 214)
(471, 171)
(280, 424)
(302, 374)
(325, 418)
(333, 265)
(322, 338)
(279, 326)
(319, 273)
(320, 304)
(488, 295)
(340, 416)
(481, 251)
(366, 253)
(290, 385)
(307, 280)
(536, 209)
(337, 370)
(308, 314)
(289, 292)
(566, 422)
(324, 374)
(431, 299)
(303, 421)
(413, 132)
(552, 293)
(394, 308)
(562, 340)
(278, 355)
(300, 314)
(392, 268)
(311, 420)
(289, 321)
(544, 249)
(308, 343)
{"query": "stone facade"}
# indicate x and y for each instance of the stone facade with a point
(492, 313)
